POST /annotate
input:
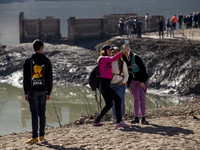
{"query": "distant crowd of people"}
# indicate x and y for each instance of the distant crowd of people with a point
(133, 25)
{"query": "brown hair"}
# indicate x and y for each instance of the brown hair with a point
(103, 53)
(120, 63)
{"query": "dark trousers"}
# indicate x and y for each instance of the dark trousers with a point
(37, 104)
(180, 25)
(121, 31)
(109, 94)
(139, 31)
(160, 32)
(196, 24)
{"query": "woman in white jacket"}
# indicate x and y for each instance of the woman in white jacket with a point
(120, 77)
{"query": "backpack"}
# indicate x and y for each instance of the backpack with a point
(134, 66)
(94, 78)
(121, 69)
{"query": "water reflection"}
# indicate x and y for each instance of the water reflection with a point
(70, 102)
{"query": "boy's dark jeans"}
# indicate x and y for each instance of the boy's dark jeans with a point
(37, 104)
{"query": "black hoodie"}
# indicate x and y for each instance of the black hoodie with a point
(140, 76)
(37, 73)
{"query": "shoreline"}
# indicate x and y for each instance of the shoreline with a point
(169, 128)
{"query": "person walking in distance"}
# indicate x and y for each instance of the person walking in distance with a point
(185, 20)
(121, 27)
(105, 71)
(161, 25)
(37, 85)
(139, 27)
(146, 22)
(174, 18)
(195, 20)
(168, 26)
(180, 20)
(172, 26)
(120, 77)
(198, 14)
(129, 27)
(137, 82)
(190, 20)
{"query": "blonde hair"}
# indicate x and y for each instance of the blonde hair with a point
(129, 57)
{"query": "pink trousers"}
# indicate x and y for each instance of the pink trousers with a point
(139, 97)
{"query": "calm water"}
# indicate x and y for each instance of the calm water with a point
(70, 102)
(9, 13)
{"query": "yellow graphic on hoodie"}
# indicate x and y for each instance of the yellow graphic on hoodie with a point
(37, 72)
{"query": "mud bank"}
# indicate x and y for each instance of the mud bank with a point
(173, 64)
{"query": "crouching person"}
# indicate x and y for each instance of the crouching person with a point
(37, 84)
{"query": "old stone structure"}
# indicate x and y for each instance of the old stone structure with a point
(80, 29)
(45, 29)
(48, 29)
(84, 29)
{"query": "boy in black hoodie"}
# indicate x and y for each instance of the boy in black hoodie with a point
(37, 84)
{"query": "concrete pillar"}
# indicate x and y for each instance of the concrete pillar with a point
(21, 27)
(104, 22)
(71, 29)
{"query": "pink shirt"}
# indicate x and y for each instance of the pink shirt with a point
(108, 71)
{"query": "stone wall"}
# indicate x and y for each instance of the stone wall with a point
(45, 29)
(84, 29)
(48, 29)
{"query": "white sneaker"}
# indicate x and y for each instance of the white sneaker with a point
(123, 119)
(113, 121)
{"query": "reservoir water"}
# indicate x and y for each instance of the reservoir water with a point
(9, 12)
(70, 103)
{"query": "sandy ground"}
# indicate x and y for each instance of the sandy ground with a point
(162, 133)
(190, 34)
(169, 128)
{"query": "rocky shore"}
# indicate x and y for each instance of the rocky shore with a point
(173, 66)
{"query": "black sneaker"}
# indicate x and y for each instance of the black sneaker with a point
(136, 120)
(144, 121)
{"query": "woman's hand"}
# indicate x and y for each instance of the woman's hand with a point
(125, 50)
(120, 83)
(48, 97)
(130, 90)
(143, 86)
(26, 97)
